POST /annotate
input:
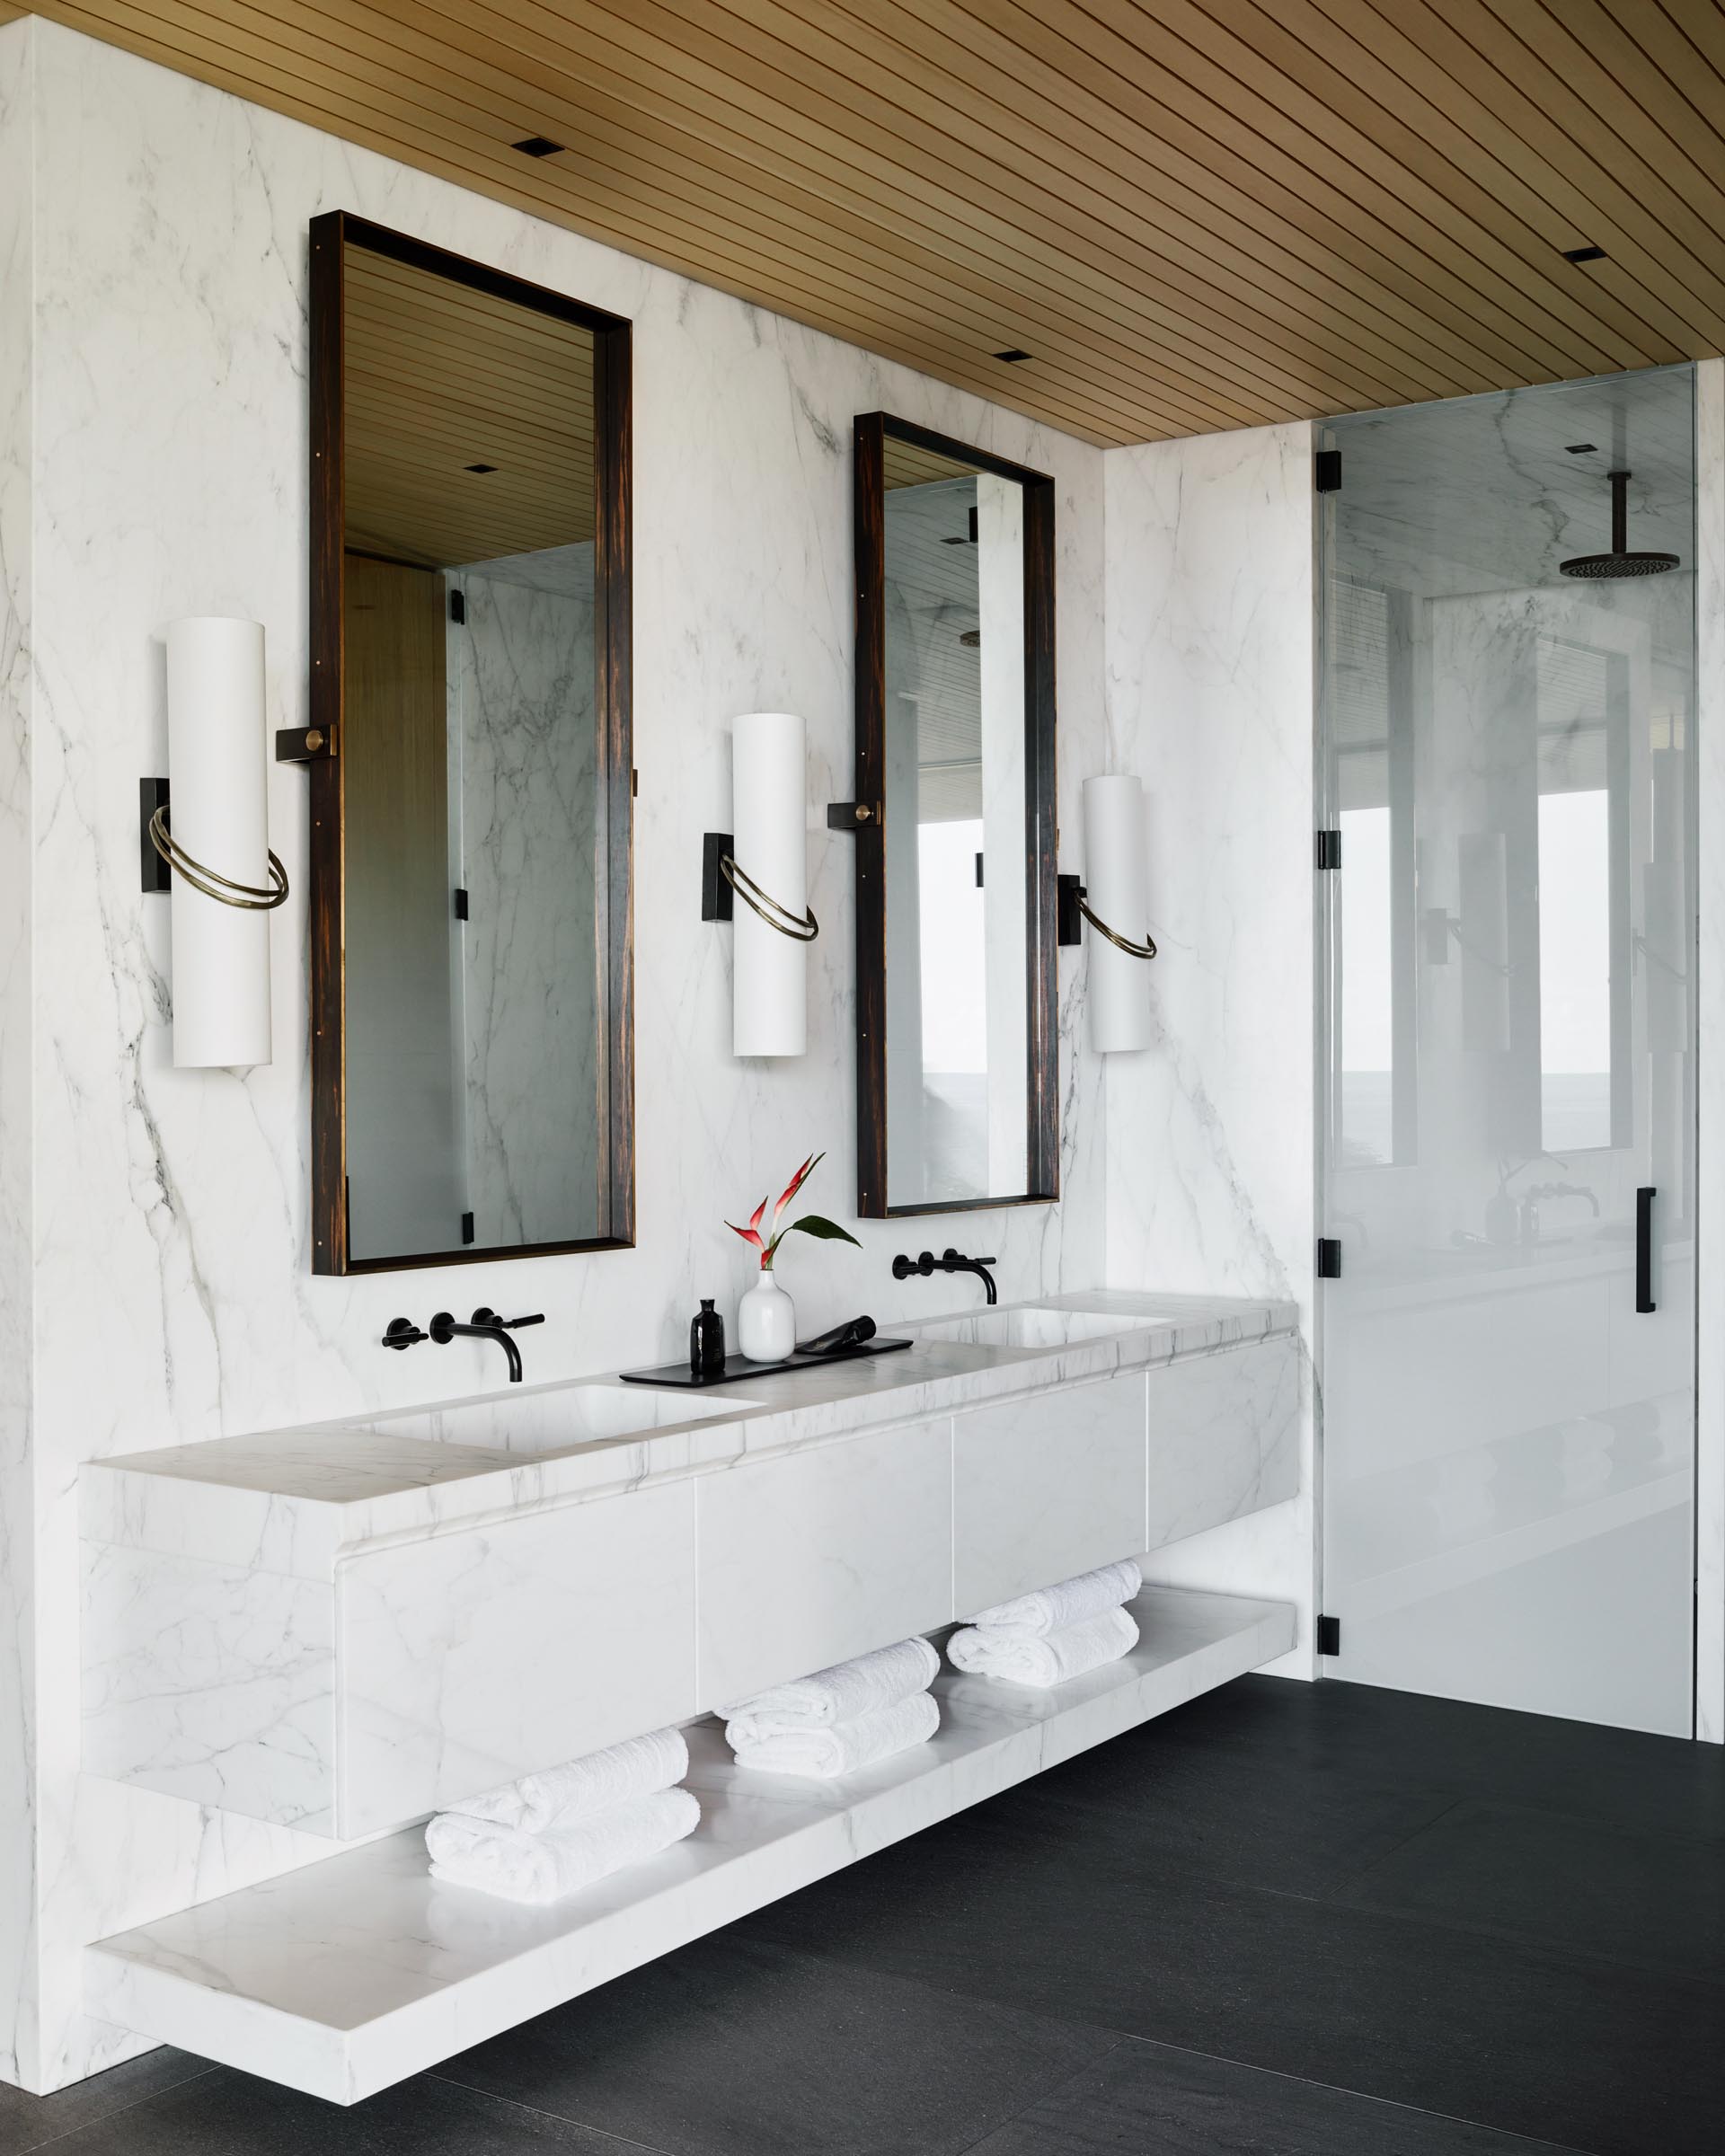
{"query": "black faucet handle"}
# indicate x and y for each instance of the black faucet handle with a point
(402, 1332)
(486, 1315)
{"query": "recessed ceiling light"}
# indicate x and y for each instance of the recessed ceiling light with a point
(479, 467)
(1584, 254)
(1581, 449)
(538, 145)
(1012, 356)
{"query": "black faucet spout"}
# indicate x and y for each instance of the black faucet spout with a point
(444, 1328)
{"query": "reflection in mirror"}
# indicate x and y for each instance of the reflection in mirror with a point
(483, 862)
(965, 758)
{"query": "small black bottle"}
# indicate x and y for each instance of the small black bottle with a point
(706, 1340)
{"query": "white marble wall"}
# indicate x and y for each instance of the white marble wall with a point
(163, 471)
(17, 710)
(1710, 1390)
(531, 829)
(1211, 1170)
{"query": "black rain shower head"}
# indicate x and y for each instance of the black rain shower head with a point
(1619, 561)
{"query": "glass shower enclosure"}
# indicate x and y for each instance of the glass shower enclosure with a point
(1507, 1145)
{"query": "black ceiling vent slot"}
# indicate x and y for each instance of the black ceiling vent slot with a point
(1584, 254)
(479, 467)
(538, 145)
(1012, 356)
(1326, 471)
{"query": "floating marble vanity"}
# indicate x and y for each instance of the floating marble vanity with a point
(343, 1629)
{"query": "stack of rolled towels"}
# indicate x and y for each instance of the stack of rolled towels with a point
(550, 1835)
(1054, 1634)
(841, 1718)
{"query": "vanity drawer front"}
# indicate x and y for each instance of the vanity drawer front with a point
(1046, 1487)
(815, 1555)
(1224, 1436)
(479, 1656)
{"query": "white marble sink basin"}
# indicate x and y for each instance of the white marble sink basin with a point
(1031, 1325)
(551, 1418)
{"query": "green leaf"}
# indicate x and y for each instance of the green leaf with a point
(828, 1231)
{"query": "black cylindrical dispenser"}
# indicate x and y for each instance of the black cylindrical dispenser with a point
(706, 1340)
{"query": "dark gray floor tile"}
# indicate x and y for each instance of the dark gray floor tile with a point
(26, 2122)
(1143, 2097)
(1655, 1900)
(1150, 1798)
(1553, 2045)
(1309, 1735)
(730, 2048)
(229, 2114)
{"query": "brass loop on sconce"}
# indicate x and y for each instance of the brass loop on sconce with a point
(211, 882)
(801, 929)
(1147, 950)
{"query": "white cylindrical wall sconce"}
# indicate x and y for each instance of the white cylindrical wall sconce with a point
(769, 871)
(218, 820)
(1115, 901)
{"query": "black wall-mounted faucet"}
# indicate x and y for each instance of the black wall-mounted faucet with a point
(484, 1325)
(949, 1261)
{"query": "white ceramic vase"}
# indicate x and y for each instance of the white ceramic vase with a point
(766, 1321)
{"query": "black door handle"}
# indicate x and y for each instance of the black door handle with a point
(1644, 1302)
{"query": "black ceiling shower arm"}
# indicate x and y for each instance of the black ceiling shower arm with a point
(1619, 511)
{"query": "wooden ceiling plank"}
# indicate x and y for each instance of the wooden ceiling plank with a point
(1188, 255)
(1283, 190)
(810, 30)
(1703, 23)
(1460, 318)
(1669, 80)
(1472, 43)
(542, 197)
(1224, 232)
(1218, 315)
(1455, 136)
(1209, 57)
(1199, 407)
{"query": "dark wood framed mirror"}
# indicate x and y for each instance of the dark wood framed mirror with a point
(958, 1077)
(472, 1022)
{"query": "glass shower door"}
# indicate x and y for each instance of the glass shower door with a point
(1508, 1354)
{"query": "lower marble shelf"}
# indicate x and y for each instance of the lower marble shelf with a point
(352, 1973)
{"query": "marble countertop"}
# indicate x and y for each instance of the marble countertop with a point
(294, 1500)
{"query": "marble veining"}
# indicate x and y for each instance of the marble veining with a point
(347, 1975)
(338, 1656)
(159, 338)
(1211, 1130)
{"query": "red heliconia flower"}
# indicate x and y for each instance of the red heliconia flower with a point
(811, 1223)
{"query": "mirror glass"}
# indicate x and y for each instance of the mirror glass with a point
(961, 788)
(477, 876)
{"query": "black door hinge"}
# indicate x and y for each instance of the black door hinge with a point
(979, 871)
(1329, 1635)
(1329, 849)
(457, 606)
(461, 904)
(1329, 1258)
(466, 1227)
(1326, 472)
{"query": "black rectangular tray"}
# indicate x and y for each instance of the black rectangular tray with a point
(740, 1370)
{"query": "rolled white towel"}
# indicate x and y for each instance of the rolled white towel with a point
(1067, 1602)
(540, 1868)
(842, 1748)
(839, 1694)
(1021, 1658)
(562, 1795)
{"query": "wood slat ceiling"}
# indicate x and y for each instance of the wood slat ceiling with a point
(1191, 214)
(438, 377)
